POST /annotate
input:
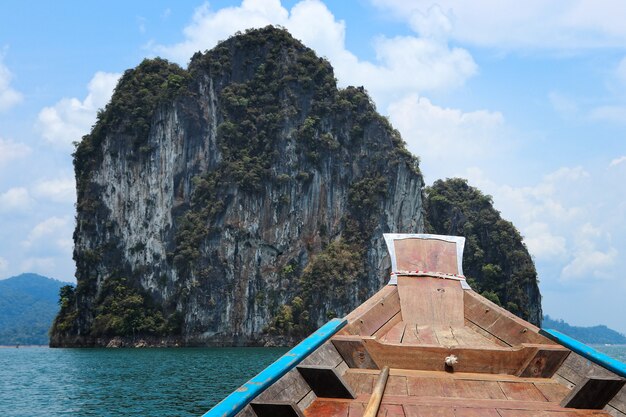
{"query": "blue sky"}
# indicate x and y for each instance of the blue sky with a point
(527, 102)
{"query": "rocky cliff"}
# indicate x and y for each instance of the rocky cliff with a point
(240, 201)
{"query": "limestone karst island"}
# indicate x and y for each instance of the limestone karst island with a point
(243, 201)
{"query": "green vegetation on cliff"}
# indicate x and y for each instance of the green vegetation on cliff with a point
(496, 261)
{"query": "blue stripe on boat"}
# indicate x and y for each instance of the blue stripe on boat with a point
(587, 352)
(236, 401)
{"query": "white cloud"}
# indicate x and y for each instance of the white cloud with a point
(617, 161)
(589, 261)
(404, 63)
(52, 233)
(60, 190)
(10, 150)
(538, 24)
(542, 243)
(70, 118)
(443, 135)
(9, 97)
(15, 199)
(41, 265)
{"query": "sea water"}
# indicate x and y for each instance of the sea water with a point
(132, 382)
(123, 382)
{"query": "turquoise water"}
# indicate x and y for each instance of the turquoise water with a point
(132, 382)
(123, 382)
(615, 351)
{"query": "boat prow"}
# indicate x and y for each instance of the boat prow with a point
(426, 344)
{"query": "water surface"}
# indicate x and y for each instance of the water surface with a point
(123, 382)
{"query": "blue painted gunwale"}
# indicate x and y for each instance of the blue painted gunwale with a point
(236, 401)
(586, 352)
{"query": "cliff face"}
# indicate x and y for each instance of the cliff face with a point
(241, 201)
(495, 261)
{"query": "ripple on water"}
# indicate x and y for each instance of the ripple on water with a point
(129, 382)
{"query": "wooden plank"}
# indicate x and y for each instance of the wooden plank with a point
(394, 333)
(391, 410)
(325, 381)
(342, 368)
(361, 383)
(356, 409)
(482, 332)
(619, 401)
(499, 322)
(445, 336)
(467, 337)
(522, 391)
(432, 358)
(416, 406)
(546, 362)
(374, 313)
(593, 392)
(308, 399)
(396, 385)
(291, 387)
(276, 409)
(544, 413)
(428, 411)
(553, 392)
(426, 335)
(473, 403)
(326, 408)
(354, 352)
(324, 355)
(431, 301)
(478, 389)
(430, 387)
(476, 412)
(457, 375)
(432, 255)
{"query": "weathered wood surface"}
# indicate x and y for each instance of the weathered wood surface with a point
(426, 255)
(291, 387)
(594, 392)
(393, 330)
(410, 407)
(431, 301)
(374, 313)
(576, 368)
(324, 355)
(499, 322)
(545, 362)
(325, 381)
(459, 385)
(353, 351)
(432, 358)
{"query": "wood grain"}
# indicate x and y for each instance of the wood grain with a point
(431, 301)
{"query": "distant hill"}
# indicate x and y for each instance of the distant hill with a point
(591, 335)
(28, 304)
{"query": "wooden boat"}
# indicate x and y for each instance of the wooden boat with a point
(427, 345)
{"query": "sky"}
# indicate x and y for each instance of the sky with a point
(525, 100)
